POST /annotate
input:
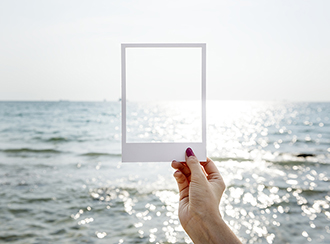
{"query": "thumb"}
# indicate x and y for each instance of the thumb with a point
(194, 165)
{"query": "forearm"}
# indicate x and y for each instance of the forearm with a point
(211, 230)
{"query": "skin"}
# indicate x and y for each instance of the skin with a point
(201, 187)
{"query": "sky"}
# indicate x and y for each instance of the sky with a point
(256, 50)
(158, 70)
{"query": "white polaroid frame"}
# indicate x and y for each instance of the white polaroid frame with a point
(162, 151)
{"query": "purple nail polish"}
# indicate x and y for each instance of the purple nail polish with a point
(189, 152)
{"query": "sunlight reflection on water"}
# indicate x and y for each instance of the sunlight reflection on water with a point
(61, 173)
(178, 121)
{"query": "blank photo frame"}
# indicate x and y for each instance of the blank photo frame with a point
(162, 151)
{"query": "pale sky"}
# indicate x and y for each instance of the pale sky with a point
(256, 50)
(163, 73)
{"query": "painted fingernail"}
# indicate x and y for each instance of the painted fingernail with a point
(189, 152)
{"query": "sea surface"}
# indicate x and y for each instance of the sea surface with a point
(62, 179)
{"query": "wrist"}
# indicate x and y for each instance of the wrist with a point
(204, 228)
(211, 229)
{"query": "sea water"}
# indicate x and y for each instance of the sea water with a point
(62, 179)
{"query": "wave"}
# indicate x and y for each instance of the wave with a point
(282, 159)
(51, 139)
(220, 159)
(57, 139)
(14, 237)
(29, 150)
(36, 200)
(298, 162)
(304, 191)
(96, 154)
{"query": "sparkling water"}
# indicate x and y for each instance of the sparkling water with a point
(62, 180)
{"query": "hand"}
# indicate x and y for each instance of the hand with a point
(201, 187)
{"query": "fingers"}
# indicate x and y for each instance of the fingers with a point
(183, 184)
(213, 174)
(182, 167)
(210, 168)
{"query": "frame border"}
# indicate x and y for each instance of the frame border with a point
(162, 151)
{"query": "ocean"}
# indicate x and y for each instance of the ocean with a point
(62, 179)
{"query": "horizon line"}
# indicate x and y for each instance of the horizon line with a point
(119, 100)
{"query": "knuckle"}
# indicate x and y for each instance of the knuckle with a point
(181, 179)
(193, 160)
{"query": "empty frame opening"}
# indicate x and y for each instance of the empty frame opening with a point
(163, 94)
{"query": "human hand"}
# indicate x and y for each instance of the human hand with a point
(201, 187)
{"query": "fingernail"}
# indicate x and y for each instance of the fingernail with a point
(189, 152)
